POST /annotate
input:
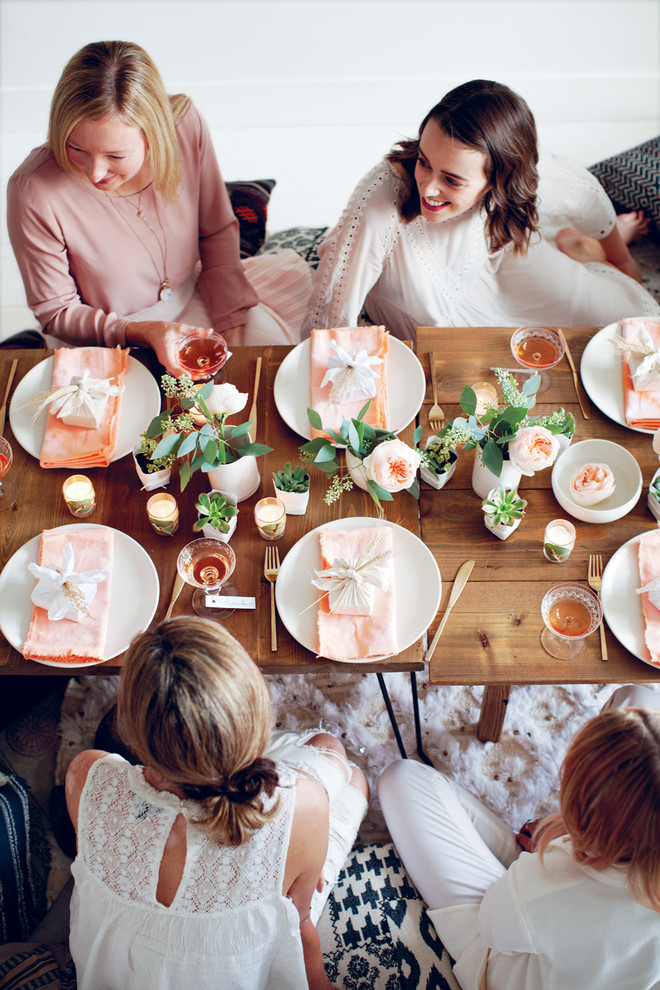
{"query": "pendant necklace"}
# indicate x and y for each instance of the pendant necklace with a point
(165, 290)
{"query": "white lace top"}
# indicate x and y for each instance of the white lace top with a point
(442, 274)
(229, 924)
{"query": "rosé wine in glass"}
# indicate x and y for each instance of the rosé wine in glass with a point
(206, 565)
(571, 612)
(202, 355)
(8, 490)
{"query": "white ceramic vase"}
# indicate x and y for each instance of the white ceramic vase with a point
(437, 481)
(483, 479)
(210, 532)
(501, 531)
(295, 503)
(241, 478)
(651, 500)
(564, 443)
(357, 471)
(151, 480)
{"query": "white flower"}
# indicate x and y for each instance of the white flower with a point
(225, 399)
(392, 465)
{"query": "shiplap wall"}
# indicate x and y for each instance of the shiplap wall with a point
(313, 92)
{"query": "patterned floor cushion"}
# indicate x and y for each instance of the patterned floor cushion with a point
(303, 240)
(632, 179)
(374, 931)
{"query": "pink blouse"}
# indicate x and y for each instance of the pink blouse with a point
(89, 262)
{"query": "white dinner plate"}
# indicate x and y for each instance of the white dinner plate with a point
(133, 599)
(622, 606)
(602, 375)
(406, 386)
(418, 585)
(140, 402)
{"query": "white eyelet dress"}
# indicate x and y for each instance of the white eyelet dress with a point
(229, 925)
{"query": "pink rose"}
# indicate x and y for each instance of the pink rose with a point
(532, 449)
(392, 465)
(592, 483)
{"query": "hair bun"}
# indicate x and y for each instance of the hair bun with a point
(248, 783)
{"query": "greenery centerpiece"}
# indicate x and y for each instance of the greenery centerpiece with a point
(214, 510)
(205, 442)
(503, 507)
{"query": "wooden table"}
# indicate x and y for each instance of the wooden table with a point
(121, 504)
(493, 634)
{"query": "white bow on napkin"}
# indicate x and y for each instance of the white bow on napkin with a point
(63, 593)
(350, 584)
(644, 360)
(82, 402)
(351, 374)
(653, 588)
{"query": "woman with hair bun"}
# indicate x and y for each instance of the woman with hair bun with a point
(447, 231)
(207, 861)
(579, 909)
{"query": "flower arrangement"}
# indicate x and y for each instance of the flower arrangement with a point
(387, 465)
(508, 431)
(169, 438)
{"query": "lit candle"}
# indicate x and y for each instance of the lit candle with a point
(270, 517)
(79, 495)
(198, 417)
(486, 396)
(559, 540)
(163, 514)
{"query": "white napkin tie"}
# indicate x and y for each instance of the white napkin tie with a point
(351, 374)
(62, 592)
(350, 584)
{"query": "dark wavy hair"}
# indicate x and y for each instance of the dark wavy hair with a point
(487, 117)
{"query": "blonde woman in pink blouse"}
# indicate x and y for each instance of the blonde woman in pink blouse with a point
(121, 223)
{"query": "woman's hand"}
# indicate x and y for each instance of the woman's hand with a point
(525, 836)
(164, 339)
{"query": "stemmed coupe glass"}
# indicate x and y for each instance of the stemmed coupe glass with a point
(8, 490)
(206, 565)
(537, 349)
(571, 612)
(202, 354)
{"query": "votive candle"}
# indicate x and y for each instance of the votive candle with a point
(486, 396)
(163, 514)
(559, 540)
(270, 517)
(79, 495)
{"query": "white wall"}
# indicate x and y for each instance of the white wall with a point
(313, 92)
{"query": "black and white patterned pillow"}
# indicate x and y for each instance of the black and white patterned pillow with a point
(375, 932)
(632, 180)
(303, 240)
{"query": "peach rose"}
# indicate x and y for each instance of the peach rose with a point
(592, 483)
(392, 465)
(532, 449)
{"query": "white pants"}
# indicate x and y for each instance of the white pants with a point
(451, 845)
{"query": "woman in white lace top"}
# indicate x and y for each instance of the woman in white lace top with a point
(451, 229)
(206, 864)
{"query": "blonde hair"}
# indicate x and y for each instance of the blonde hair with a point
(610, 798)
(195, 708)
(118, 79)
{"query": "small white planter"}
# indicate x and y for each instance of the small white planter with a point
(564, 443)
(295, 503)
(651, 500)
(357, 471)
(241, 478)
(501, 531)
(151, 480)
(210, 532)
(483, 479)
(437, 480)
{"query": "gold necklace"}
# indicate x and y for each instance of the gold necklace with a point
(165, 291)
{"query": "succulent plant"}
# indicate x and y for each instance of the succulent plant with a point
(504, 506)
(291, 479)
(214, 510)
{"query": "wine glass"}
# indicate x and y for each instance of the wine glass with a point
(537, 349)
(206, 564)
(202, 354)
(571, 612)
(8, 490)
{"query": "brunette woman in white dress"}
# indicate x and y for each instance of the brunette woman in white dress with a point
(448, 231)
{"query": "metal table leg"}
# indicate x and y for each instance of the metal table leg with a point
(418, 728)
(390, 712)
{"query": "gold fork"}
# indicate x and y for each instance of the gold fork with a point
(271, 568)
(595, 579)
(436, 415)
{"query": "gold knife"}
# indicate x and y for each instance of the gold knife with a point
(253, 410)
(3, 408)
(460, 581)
(178, 585)
(585, 412)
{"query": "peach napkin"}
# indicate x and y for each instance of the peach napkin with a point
(641, 409)
(74, 446)
(649, 568)
(66, 641)
(375, 341)
(357, 637)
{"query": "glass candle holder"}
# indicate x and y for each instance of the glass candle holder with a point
(79, 495)
(486, 396)
(163, 514)
(270, 517)
(559, 540)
